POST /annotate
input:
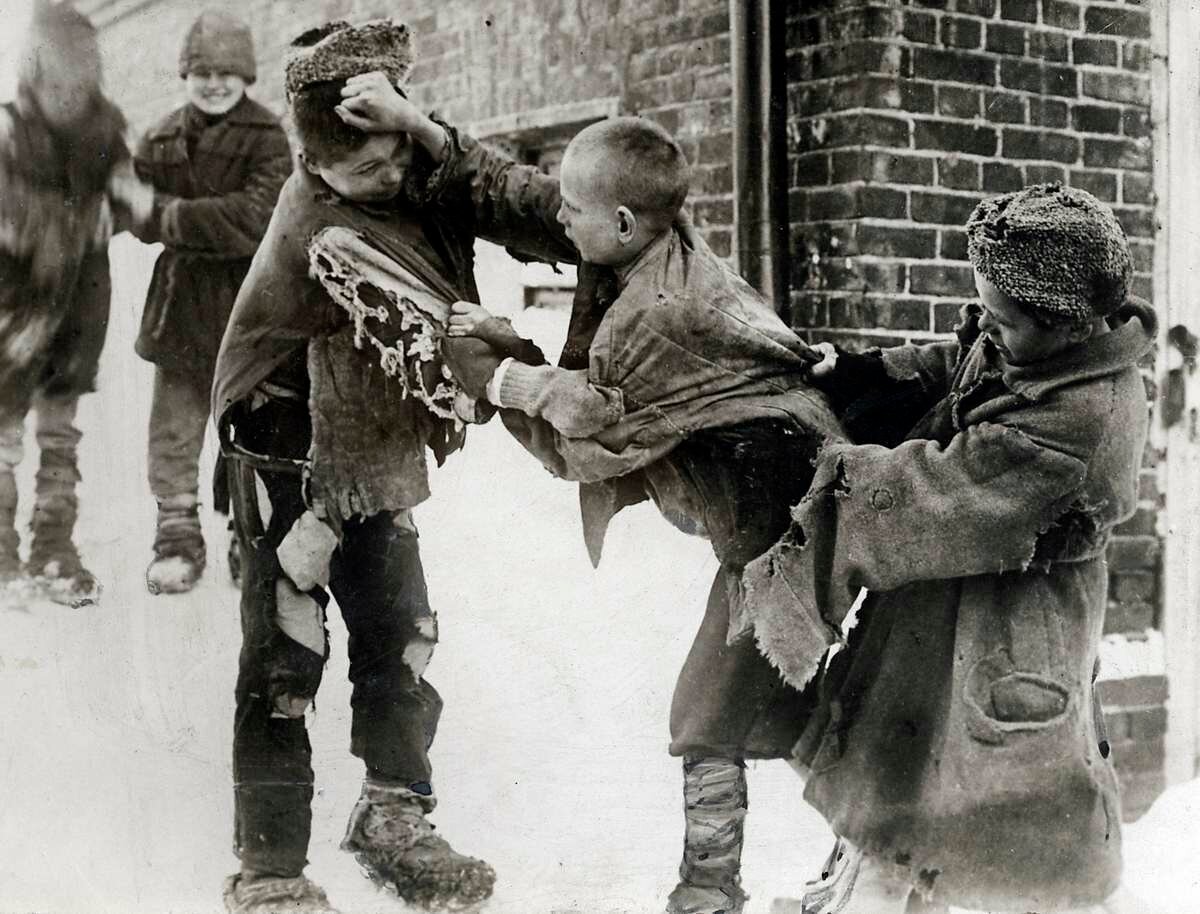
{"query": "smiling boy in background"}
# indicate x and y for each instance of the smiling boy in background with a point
(216, 164)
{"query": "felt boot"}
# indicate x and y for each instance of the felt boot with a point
(53, 558)
(396, 845)
(274, 895)
(179, 554)
(714, 806)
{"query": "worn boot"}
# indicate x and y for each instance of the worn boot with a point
(714, 806)
(53, 558)
(11, 452)
(179, 554)
(396, 845)
(274, 895)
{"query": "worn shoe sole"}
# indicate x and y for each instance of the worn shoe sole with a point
(464, 889)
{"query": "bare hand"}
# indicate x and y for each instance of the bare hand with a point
(372, 104)
(828, 361)
(465, 317)
(127, 189)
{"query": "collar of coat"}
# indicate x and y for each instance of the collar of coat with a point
(246, 113)
(1132, 333)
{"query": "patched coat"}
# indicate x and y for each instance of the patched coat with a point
(215, 184)
(960, 739)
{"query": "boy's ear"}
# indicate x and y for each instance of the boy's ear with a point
(309, 166)
(626, 224)
(1080, 333)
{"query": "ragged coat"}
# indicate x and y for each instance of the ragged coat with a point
(678, 347)
(216, 182)
(55, 223)
(286, 329)
(960, 740)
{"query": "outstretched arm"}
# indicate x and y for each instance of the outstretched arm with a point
(882, 518)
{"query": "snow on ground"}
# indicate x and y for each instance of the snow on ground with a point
(551, 761)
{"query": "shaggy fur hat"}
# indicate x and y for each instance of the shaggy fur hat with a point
(218, 42)
(339, 50)
(1057, 250)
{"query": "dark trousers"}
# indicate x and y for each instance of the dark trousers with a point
(729, 700)
(378, 582)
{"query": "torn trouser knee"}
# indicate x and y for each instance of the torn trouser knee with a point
(304, 559)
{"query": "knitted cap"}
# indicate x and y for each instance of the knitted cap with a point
(339, 50)
(218, 42)
(1058, 250)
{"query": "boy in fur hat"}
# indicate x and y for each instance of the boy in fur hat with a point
(681, 385)
(216, 165)
(980, 533)
(61, 144)
(312, 420)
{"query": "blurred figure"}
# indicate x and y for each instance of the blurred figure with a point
(61, 152)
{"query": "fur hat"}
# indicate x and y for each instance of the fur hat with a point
(219, 42)
(339, 50)
(1058, 250)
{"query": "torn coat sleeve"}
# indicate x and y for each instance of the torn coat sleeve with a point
(565, 398)
(506, 203)
(230, 224)
(881, 518)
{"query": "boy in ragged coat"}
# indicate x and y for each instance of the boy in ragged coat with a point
(340, 448)
(216, 165)
(961, 757)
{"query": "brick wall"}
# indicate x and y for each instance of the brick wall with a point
(668, 59)
(902, 115)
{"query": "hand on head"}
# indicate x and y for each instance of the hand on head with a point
(372, 104)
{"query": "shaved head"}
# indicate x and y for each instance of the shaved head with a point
(632, 162)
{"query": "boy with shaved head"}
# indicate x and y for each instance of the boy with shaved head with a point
(677, 383)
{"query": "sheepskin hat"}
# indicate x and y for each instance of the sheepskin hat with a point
(339, 50)
(1058, 250)
(218, 42)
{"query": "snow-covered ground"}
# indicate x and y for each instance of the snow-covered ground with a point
(551, 761)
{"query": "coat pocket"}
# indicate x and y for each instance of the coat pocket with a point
(1003, 703)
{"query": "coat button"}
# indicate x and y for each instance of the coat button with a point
(882, 500)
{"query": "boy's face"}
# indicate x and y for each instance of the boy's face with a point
(372, 173)
(214, 92)
(1017, 336)
(592, 222)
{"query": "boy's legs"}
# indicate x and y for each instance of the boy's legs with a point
(273, 777)
(178, 419)
(377, 578)
(12, 450)
(729, 704)
(56, 507)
